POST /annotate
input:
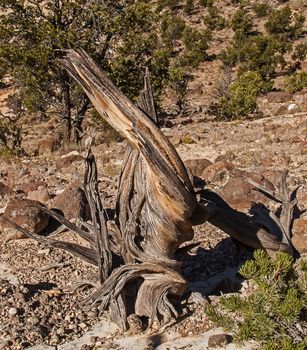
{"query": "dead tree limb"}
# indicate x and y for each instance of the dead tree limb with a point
(156, 209)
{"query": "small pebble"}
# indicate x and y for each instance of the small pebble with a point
(12, 311)
(94, 339)
(82, 325)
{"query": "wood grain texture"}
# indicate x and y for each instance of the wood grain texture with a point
(156, 209)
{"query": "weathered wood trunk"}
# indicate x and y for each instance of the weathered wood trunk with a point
(156, 209)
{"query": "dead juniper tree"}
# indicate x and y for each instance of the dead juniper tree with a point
(156, 209)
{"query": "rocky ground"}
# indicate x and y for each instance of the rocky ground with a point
(37, 302)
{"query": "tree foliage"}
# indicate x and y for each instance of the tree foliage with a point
(239, 100)
(206, 3)
(196, 43)
(189, 6)
(275, 312)
(265, 52)
(285, 24)
(119, 35)
(10, 136)
(262, 53)
(242, 21)
(214, 20)
(171, 29)
(296, 82)
(261, 9)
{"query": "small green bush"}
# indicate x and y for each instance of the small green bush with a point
(214, 20)
(196, 43)
(261, 9)
(172, 28)
(171, 4)
(187, 139)
(195, 39)
(285, 24)
(206, 3)
(189, 6)
(179, 79)
(275, 312)
(300, 52)
(296, 82)
(261, 53)
(10, 136)
(242, 21)
(240, 100)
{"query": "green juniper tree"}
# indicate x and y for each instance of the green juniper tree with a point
(119, 35)
(189, 6)
(296, 82)
(214, 20)
(275, 312)
(259, 56)
(239, 100)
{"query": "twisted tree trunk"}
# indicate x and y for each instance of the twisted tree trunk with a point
(156, 210)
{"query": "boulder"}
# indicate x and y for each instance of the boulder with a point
(299, 226)
(31, 186)
(299, 239)
(240, 195)
(176, 140)
(218, 172)
(4, 189)
(197, 166)
(219, 340)
(279, 97)
(66, 160)
(24, 213)
(72, 202)
(41, 195)
(300, 243)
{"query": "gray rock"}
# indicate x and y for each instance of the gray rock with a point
(24, 213)
(219, 340)
(12, 311)
(41, 195)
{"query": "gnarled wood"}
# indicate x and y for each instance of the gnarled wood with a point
(156, 209)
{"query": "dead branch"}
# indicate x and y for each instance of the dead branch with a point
(156, 209)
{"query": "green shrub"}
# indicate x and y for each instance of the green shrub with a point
(196, 43)
(171, 4)
(240, 99)
(187, 139)
(275, 312)
(261, 53)
(10, 136)
(214, 20)
(6, 154)
(194, 39)
(179, 83)
(300, 52)
(172, 28)
(296, 82)
(261, 9)
(285, 24)
(206, 3)
(189, 6)
(242, 21)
